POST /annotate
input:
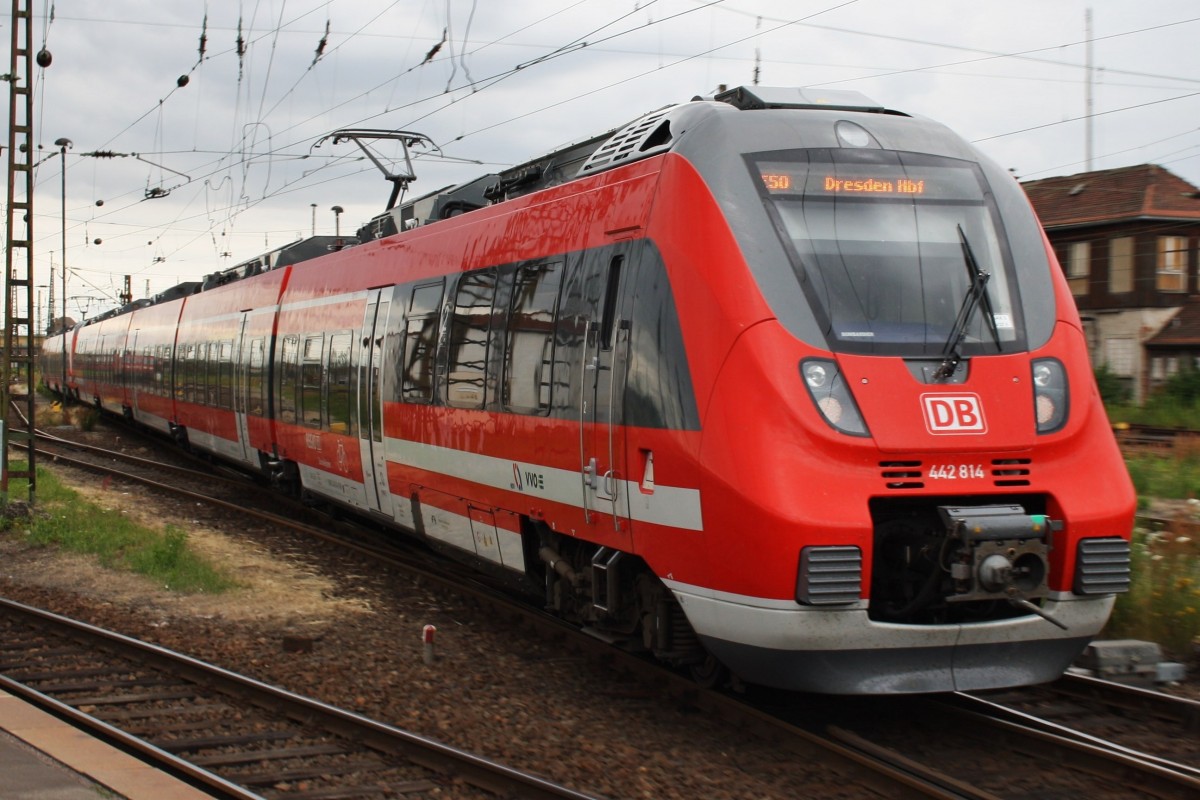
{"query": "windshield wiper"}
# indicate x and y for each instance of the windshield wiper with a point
(976, 296)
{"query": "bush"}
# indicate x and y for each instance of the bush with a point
(1183, 387)
(1113, 390)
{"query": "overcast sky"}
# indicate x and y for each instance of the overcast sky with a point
(217, 171)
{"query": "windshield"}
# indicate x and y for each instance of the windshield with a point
(875, 238)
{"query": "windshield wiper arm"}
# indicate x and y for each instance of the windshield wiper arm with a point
(976, 296)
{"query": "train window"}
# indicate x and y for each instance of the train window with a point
(289, 375)
(212, 375)
(311, 370)
(180, 371)
(609, 314)
(224, 375)
(194, 375)
(529, 350)
(888, 244)
(164, 370)
(341, 417)
(469, 327)
(420, 343)
(143, 374)
(256, 387)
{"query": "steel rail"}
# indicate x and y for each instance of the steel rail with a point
(1182, 710)
(1159, 776)
(474, 769)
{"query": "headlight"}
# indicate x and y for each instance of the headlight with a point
(1051, 399)
(829, 392)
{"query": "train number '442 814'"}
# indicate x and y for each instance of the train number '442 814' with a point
(953, 472)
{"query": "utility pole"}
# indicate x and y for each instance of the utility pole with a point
(1089, 72)
(18, 355)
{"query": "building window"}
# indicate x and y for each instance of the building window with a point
(1172, 263)
(1120, 265)
(1118, 354)
(1079, 256)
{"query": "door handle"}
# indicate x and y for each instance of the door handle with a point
(590, 473)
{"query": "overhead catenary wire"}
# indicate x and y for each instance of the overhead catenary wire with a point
(254, 149)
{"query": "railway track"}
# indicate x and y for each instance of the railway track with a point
(890, 764)
(1155, 727)
(232, 735)
(992, 750)
(1134, 438)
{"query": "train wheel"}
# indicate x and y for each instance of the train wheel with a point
(709, 673)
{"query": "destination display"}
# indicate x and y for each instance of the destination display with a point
(915, 181)
(799, 181)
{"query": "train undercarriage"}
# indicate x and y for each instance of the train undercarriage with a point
(615, 596)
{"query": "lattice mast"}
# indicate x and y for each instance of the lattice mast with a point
(18, 354)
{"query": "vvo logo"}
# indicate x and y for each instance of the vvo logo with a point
(953, 413)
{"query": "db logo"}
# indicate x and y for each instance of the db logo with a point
(953, 413)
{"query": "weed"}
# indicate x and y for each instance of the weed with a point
(63, 519)
(1163, 602)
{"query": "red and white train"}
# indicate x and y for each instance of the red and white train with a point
(783, 384)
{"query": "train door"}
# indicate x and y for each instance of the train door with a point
(372, 444)
(605, 361)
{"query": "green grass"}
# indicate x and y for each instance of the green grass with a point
(1162, 412)
(64, 519)
(1176, 477)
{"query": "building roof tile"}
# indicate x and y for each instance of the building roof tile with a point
(1182, 330)
(1113, 195)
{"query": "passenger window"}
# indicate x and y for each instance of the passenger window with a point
(529, 351)
(256, 388)
(212, 375)
(467, 369)
(289, 375)
(609, 314)
(420, 343)
(310, 380)
(341, 419)
(181, 371)
(197, 390)
(224, 374)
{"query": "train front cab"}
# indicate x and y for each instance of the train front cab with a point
(892, 501)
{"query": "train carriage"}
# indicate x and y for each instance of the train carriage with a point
(100, 361)
(783, 384)
(219, 367)
(152, 346)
